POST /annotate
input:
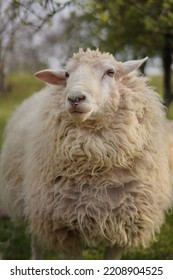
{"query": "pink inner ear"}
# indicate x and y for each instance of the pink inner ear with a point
(51, 77)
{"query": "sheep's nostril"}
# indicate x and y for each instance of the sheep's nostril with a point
(75, 100)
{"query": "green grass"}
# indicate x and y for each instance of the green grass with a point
(14, 243)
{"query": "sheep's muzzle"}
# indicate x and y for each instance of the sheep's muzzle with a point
(78, 109)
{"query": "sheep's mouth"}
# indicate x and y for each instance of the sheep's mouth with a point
(80, 115)
(78, 111)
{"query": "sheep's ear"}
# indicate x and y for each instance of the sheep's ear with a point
(52, 77)
(130, 66)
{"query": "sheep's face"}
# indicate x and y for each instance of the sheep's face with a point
(90, 83)
(88, 88)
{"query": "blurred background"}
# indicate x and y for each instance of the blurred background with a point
(39, 34)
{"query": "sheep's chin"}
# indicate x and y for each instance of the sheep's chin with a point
(79, 116)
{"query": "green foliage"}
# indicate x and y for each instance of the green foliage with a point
(14, 243)
(122, 26)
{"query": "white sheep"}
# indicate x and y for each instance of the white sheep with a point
(88, 158)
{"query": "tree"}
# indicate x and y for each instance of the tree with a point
(7, 31)
(127, 28)
(20, 22)
(38, 13)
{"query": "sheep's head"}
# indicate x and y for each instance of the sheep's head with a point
(90, 80)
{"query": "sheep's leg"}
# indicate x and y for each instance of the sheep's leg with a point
(3, 214)
(113, 253)
(36, 250)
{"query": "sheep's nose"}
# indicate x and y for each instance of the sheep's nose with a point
(75, 100)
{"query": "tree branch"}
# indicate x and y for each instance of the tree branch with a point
(153, 16)
(40, 20)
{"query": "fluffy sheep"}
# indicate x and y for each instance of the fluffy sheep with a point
(87, 160)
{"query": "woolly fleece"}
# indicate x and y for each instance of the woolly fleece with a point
(105, 180)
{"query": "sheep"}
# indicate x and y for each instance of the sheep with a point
(86, 159)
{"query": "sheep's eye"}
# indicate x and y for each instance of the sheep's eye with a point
(67, 74)
(110, 72)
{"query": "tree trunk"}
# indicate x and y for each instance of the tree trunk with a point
(167, 62)
(2, 78)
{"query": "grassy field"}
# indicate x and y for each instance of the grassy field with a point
(14, 243)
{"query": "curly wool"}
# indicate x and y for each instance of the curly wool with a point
(105, 180)
(90, 56)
